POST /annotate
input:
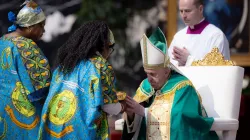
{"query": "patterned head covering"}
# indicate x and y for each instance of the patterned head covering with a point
(29, 15)
(111, 38)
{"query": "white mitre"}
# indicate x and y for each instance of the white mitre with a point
(155, 51)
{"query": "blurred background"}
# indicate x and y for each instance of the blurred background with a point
(129, 20)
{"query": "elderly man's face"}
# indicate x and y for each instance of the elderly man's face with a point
(157, 77)
(191, 14)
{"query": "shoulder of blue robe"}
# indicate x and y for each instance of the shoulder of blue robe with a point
(24, 120)
(186, 114)
(12, 46)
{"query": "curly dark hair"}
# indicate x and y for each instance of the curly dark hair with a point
(82, 45)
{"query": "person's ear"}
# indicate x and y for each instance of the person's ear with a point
(201, 9)
(166, 71)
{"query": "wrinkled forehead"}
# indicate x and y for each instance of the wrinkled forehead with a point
(149, 70)
(154, 71)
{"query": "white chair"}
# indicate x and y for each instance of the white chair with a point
(220, 88)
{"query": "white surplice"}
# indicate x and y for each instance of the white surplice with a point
(199, 43)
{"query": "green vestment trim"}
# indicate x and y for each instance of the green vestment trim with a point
(186, 120)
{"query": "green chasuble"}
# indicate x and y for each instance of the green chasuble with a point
(174, 112)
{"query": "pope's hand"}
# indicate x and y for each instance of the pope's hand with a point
(180, 55)
(133, 107)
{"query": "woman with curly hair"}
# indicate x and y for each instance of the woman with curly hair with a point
(24, 73)
(83, 87)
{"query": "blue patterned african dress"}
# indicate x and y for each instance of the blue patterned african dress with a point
(24, 79)
(72, 110)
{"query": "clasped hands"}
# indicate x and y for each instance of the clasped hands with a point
(180, 55)
(130, 106)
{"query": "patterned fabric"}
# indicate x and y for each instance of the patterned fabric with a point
(72, 109)
(107, 79)
(29, 15)
(35, 62)
(23, 70)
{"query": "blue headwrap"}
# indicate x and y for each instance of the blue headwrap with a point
(29, 15)
(12, 18)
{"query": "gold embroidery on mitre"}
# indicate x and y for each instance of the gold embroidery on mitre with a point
(145, 54)
(166, 61)
(159, 114)
(154, 66)
(214, 58)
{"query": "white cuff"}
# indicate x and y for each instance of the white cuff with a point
(190, 59)
(133, 126)
(112, 109)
